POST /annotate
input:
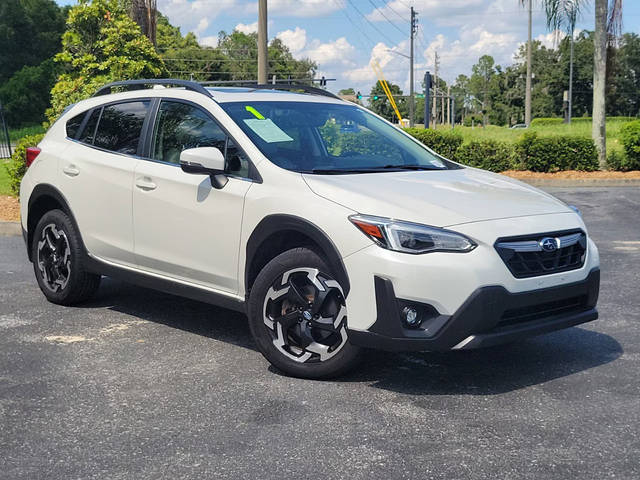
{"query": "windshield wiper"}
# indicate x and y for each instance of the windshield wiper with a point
(409, 167)
(337, 171)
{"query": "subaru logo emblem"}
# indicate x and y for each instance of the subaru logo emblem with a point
(307, 315)
(549, 244)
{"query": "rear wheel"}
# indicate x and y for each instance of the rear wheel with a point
(298, 316)
(58, 261)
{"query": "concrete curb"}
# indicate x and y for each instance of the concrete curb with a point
(581, 182)
(10, 229)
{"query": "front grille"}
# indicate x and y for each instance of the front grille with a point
(542, 310)
(526, 256)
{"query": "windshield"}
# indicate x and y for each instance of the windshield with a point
(326, 138)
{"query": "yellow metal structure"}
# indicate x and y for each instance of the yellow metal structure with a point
(385, 86)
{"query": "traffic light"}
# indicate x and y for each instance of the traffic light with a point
(359, 96)
(375, 97)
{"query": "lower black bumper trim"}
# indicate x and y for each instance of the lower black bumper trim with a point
(477, 323)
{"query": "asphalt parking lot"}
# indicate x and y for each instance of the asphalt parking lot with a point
(138, 384)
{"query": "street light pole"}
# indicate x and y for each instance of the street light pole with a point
(262, 42)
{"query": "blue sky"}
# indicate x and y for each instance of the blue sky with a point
(343, 36)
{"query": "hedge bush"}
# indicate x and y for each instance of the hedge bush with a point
(443, 143)
(489, 155)
(552, 154)
(547, 121)
(18, 164)
(630, 137)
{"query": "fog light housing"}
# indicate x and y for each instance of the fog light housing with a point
(410, 317)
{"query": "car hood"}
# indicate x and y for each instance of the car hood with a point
(436, 197)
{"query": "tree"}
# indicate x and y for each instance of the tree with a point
(241, 51)
(347, 91)
(484, 84)
(185, 57)
(563, 14)
(30, 33)
(25, 96)
(380, 104)
(623, 94)
(101, 44)
(608, 17)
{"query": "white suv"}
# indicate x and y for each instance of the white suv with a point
(331, 228)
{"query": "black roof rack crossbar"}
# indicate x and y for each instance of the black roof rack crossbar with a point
(140, 84)
(275, 86)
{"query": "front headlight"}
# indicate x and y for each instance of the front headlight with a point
(410, 237)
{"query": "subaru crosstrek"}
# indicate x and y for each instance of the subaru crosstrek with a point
(330, 227)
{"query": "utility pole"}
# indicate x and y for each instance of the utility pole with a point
(435, 91)
(262, 42)
(571, 80)
(411, 99)
(449, 104)
(527, 96)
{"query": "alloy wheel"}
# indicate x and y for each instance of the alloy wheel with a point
(305, 313)
(54, 258)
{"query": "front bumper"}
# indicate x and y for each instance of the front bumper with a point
(491, 315)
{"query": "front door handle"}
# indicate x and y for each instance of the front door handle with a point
(145, 183)
(71, 171)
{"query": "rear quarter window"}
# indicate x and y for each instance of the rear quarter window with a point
(73, 125)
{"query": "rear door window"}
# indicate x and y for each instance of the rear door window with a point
(120, 127)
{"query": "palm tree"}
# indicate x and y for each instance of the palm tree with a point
(527, 95)
(608, 21)
(562, 15)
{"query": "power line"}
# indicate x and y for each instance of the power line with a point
(388, 5)
(385, 17)
(344, 10)
(371, 23)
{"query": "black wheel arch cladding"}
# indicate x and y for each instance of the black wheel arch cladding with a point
(272, 225)
(46, 197)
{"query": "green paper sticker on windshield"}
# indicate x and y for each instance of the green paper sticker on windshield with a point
(255, 112)
(267, 130)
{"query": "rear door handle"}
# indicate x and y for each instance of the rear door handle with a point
(145, 183)
(71, 171)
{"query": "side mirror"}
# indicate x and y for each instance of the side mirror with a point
(205, 161)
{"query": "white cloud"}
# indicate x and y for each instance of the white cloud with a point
(299, 8)
(338, 52)
(209, 41)
(244, 28)
(203, 24)
(189, 14)
(296, 39)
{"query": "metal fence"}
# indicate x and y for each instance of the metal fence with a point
(5, 143)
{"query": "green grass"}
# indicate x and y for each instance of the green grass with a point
(18, 133)
(4, 179)
(578, 129)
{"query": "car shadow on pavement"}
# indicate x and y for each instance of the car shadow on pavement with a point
(486, 371)
(490, 371)
(173, 311)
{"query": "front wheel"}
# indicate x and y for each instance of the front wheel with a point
(298, 316)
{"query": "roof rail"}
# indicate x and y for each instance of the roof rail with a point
(274, 86)
(140, 84)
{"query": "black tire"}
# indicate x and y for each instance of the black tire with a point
(58, 261)
(320, 327)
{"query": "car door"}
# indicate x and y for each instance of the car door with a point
(96, 176)
(183, 227)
